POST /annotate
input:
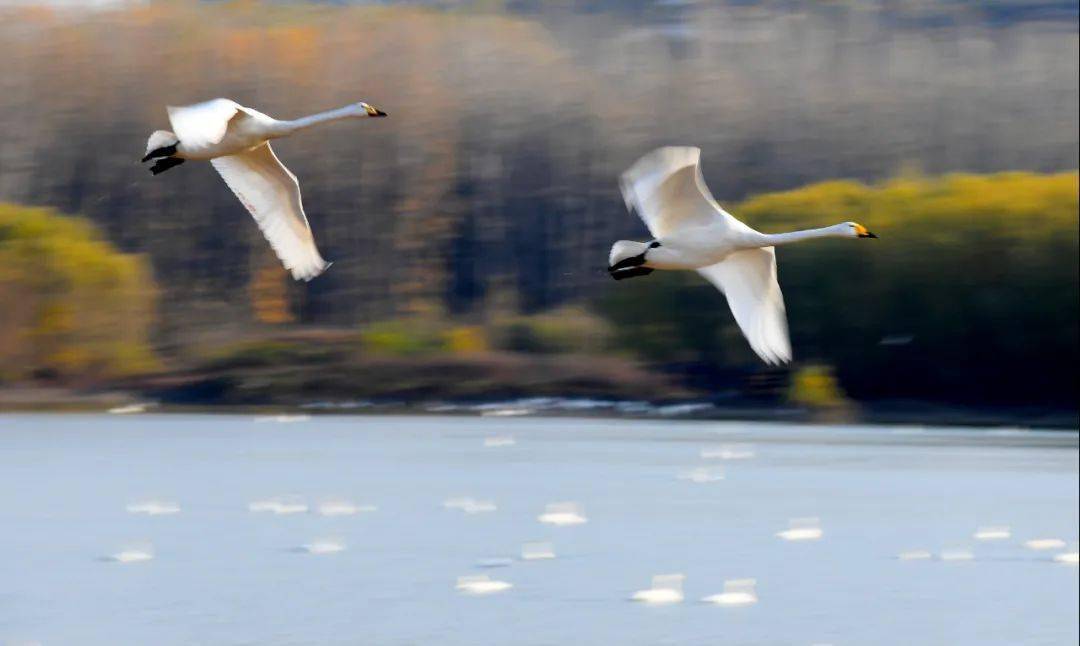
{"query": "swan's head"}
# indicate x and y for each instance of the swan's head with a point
(370, 110)
(857, 230)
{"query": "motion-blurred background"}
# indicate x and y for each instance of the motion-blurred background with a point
(470, 230)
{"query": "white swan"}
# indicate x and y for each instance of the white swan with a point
(692, 231)
(235, 140)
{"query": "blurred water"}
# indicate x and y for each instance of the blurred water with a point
(221, 574)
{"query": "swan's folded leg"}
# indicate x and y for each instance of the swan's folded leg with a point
(164, 164)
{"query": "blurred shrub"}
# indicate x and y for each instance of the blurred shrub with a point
(466, 339)
(273, 353)
(566, 330)
(73, 306)
(815, 386)
(404, 337)
(970, 294)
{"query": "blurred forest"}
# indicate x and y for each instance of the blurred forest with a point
(475, 221)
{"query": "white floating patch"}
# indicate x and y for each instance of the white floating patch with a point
(470, 505)
(130, 409)
(507, 412)
(563, 513)
(914, 555)
(728, 452)
(282, 419)
(324, 546)
(737, 592)
(537, 551)
(481, 584)
(498, 442)
(153, 508)
(956, 555)
(342, 508)
(279, 506)
(802, 529)
(666, 588)
(133, 554)
(993, 533)
(1068, 558)
(1044, 544)
(701, 475)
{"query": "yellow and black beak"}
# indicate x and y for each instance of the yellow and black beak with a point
(373, 111)
(862, 232)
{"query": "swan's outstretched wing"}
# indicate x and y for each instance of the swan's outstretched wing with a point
(272, 195)
(748, 280)
(668, 192)
(202, 124)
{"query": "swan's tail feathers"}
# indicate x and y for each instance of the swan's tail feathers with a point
(164, 164)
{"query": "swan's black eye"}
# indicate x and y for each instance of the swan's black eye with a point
(654, 244)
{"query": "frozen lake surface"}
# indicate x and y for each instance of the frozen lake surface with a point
(214, 529)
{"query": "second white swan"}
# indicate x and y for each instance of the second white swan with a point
(691, 231)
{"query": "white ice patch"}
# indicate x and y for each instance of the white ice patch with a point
(470, 505)
(737, 592)
(280, 506)
(563, 513)
(537, 551)
(802, 529)
(481, 584)
(153, 508)
(992, 533)
(666, 588)
(342, 508)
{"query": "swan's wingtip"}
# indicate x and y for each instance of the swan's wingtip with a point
(310, 274)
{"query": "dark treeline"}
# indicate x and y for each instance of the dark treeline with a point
(494, 180)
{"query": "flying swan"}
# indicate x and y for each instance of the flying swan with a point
(691, 231)
(236, 141)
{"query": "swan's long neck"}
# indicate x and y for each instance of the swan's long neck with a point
(835, 231)
(295, 125)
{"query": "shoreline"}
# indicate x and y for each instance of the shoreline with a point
(907, 413)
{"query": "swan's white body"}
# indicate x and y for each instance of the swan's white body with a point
(235, 140)
(692, 231)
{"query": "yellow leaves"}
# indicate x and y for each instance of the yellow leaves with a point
(815, 386)
(82, 307)
(1025, 206)
(466, 339)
